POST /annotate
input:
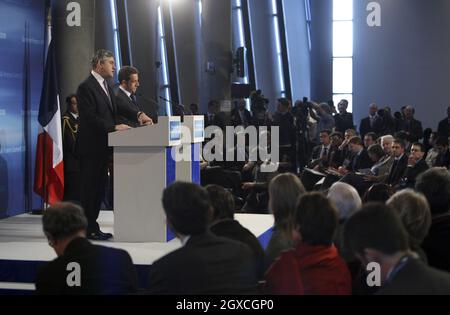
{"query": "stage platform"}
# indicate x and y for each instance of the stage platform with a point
(24, 248)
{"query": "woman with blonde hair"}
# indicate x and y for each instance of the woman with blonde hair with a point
(284, 191)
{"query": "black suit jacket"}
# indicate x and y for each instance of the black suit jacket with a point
(437, 243)
(411, 173)
(416, 278)
(344, 122)
(361, 161)
(103, 270)
(315, 157)
(397, 170)
(123, 101)
(232, 229)
(413, 128)
(97, 117)
(236, 119)
(444, 128)
(206, 264)
(70, 136)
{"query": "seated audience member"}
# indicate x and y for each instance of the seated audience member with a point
(443, 157)
(314, 265)
(240, 115)
(414, 212)
(337, 156)
(361, 160)
(284, 191)
(376, 235)
(205, 264)
(347, 201)
(103, 270)
(433, 151)
(320, 157)
(223, 223)
(362, 181)
(400, 163)
(435, 185)
(370, 139)
(416, 166)
(378, 193)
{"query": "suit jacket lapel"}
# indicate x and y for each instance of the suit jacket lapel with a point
(99, 89)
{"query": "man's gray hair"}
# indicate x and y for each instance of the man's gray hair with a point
(63, 220)
(100, 56)
(346, 199)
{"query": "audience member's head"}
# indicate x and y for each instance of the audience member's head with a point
(346, 199)
(213, 107)
(326, 108)
(375, 152)
(417, 151)
(355, 145)
(283, 105)
(284, 191)
(398, 148)
(369, 139)
(376, 234)
(373, 109)
(62, 223)
(403, 136)
(187, 208)
(336, 139)
(349, 133)
(378, 193)
(386, 143)
(72, 103)
(409, 112)
(433, 138)
(435, 185)
(194, 109)
(342, 106)
(222, 203)
(414, 212)
(316, 219)
(325, 137)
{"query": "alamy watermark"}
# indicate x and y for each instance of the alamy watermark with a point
(238, 144)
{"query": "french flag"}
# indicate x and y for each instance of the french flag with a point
(49, 170)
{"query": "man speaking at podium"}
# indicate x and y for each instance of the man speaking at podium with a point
(98, 111)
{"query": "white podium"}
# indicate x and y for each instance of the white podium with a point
(188, 166)
(143, 167)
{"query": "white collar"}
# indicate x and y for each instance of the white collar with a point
(98, 77)
(74, 115)
(184, 240)
(125, 91)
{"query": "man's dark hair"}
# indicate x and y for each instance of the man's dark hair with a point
(69, 99)
(356, 141)
(379, 192)
(375, 226)
(377, 150)
(222, 202)
(126, 72)
(327, 131)
(373, 135)
(284, 101)
(63, 220)
(420, 145)
(435, 185)
(186, 206)
(403, 136)
(317, 219)
(100, 56)
(400, 142)
(337, 134)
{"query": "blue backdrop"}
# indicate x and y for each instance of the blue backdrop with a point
(22, 28)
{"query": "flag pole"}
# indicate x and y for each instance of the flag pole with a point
(47, 45)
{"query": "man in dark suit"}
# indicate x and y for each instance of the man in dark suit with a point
(401, 272)
(343, 120)
(400, 162)
(70, 123)
(205, 264)
(411, 126)
(321, 154)
(81, 267)
(240, 116)
(98, 110)
(444, 126)
(371, 123)
(416, 165)
(361, 160)
(126, 94)
(223, 223)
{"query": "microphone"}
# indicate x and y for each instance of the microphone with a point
(169, 101)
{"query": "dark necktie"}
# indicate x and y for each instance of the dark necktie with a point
(325, 152)
(105, 84)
